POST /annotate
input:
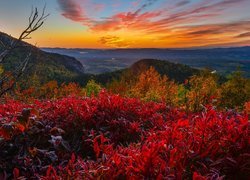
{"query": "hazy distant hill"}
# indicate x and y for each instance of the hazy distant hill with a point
(43, 65)
(224, 60)
(176, 72)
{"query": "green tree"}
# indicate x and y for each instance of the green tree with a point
(92, 88)
(236, 91)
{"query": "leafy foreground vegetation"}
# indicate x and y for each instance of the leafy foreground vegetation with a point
(114, 137)
(142, 126)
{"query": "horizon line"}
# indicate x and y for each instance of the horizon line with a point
(170, 48)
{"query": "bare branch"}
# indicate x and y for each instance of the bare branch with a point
(35, 22)
(8, 80)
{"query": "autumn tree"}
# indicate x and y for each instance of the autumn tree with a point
(124, 83)
(92, 88)
(247, 107)
(202, 90)
(236, 91)
(150, 85)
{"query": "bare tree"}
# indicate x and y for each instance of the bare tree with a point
(8, 80)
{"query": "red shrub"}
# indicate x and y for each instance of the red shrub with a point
(122, 138)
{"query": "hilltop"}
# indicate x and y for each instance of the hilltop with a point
(175, 71)
(43, 66)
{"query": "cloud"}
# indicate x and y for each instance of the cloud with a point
(206, 35)
(144, 6)
(98, 7)
(150, 21)
(243, 35)
(182, 3)
(114, 41)
(229, 44)
(194, 14)
(163, 19)
(73, 11)
(203, 32)
(215, 29)
(168, 20)
(124, 21)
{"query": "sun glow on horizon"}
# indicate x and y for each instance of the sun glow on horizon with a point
(134, 24)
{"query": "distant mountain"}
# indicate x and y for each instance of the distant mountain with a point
(175, 71)
(43, 66)
(223, 60)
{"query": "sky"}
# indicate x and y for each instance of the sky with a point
(132, 23)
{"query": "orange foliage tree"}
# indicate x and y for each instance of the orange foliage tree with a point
(123, 85)
(150, 85)
(50, 90)
(247, 107)
(203, 90)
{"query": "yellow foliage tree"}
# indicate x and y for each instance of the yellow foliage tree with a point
(236, 91)
(203, 90)
(151, 86)
(92, 88)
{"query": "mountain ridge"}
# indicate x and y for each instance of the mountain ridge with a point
(43, 65)
(174, 71)
(223, 60)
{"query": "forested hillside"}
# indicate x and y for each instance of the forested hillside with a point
(43, 67)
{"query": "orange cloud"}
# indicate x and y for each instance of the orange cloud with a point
(160, 21)
(154, 21)
(244, 35)
(114, 41)
(169, 24)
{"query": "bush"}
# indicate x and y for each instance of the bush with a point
(120, 138)
(92, 88)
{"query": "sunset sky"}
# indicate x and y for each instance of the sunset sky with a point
(132, 23)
